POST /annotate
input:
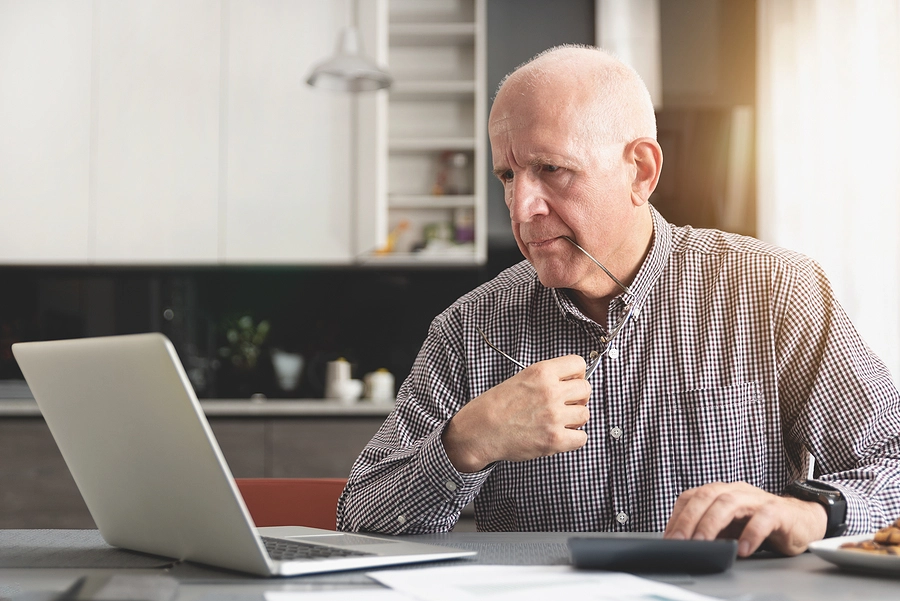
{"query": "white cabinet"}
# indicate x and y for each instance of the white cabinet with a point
(423, 143)
(156, 132)
(45, 141)
(286, 179)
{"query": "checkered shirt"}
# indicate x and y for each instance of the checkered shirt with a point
(736, 365)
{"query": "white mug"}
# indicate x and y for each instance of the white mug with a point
(348, 391)
(380, 386)
(336, 372)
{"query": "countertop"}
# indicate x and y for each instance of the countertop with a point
(245, 408)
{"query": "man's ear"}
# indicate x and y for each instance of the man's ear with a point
(647, 159)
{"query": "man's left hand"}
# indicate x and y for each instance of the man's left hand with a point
(750, 514)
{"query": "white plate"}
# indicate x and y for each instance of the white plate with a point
(829, 550)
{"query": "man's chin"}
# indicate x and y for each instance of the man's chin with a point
(554, 276)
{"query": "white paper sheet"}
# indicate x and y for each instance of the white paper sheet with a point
(527, 583)
(354, 594)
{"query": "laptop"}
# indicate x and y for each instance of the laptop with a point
(141, 451)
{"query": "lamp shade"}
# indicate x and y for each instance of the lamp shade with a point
(348, 70)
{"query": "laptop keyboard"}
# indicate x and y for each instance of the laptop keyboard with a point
(280, 549)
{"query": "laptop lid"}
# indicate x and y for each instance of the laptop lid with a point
(131, 430)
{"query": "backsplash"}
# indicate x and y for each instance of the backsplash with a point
(375, 318)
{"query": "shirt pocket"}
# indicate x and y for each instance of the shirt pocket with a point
(718, 435)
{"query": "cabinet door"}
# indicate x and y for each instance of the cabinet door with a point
(289, 170)
(243, 443)
(45, 108)
(318, 447)
(156, 84)
(38, 490)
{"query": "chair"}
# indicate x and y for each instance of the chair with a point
(292, 501)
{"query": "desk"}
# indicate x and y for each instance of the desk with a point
(801, 578)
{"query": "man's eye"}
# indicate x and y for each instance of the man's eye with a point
(551, 168)
(506, 175)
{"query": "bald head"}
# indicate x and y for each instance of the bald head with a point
(610, 97)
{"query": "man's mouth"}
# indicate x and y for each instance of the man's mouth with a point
(544, 242)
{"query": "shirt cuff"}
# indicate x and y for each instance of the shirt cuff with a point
(444, 477)
(859, 518)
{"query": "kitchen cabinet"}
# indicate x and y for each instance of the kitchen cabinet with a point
(286, 171)
(45, 138)
(39, 492)
(423, 143)
(155, 132)
(167, 133)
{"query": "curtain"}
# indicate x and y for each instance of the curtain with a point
(829, 150)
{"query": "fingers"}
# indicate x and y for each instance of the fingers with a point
(763, 523)
(535, 413)
(706, 512)
(567, 367)
(577, 416)
(565, 376)
(748, 513)
(690, 508)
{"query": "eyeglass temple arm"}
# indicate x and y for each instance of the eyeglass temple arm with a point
(490, 344)
(600, 265)
(588, 372)
(592, 366)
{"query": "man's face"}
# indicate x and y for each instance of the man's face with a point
(558, 182)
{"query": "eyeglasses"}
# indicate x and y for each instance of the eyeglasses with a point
(605, 339)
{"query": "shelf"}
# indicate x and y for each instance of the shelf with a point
(431, 144)
(466, 257)
(405, 34)
(433, 11)
(435, 50)
(426, 89)
(429, 201)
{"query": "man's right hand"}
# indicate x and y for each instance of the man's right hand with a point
(533, 414)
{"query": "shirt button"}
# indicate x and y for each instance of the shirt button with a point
(401, 519)
(613, 353)
(615, 432)
(450, 485)
(622, 517)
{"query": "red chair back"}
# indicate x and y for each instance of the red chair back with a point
(292, 501)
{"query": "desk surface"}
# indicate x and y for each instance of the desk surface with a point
(69, 554)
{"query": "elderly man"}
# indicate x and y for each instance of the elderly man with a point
(630, 375)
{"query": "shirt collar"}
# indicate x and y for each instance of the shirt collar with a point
(647, 275)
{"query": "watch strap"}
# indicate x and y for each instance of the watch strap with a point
(829, 497)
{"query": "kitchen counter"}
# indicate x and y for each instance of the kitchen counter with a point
(244, 408)
(285, 438)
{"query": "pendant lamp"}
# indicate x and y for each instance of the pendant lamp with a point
(349, 70)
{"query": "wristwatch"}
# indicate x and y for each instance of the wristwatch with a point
(828, 497)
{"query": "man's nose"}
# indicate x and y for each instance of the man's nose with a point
(525, 199)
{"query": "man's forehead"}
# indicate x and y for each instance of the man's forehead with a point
(551, 121)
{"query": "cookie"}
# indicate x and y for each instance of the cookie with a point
(889, 535)
(870, 546)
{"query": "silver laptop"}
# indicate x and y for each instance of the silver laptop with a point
(132, 432)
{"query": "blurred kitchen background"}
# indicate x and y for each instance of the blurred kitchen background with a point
(164, 166)
(374, 314)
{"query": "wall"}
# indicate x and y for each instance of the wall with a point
(517, 30)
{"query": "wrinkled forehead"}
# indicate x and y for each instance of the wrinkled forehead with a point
(546, 109)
